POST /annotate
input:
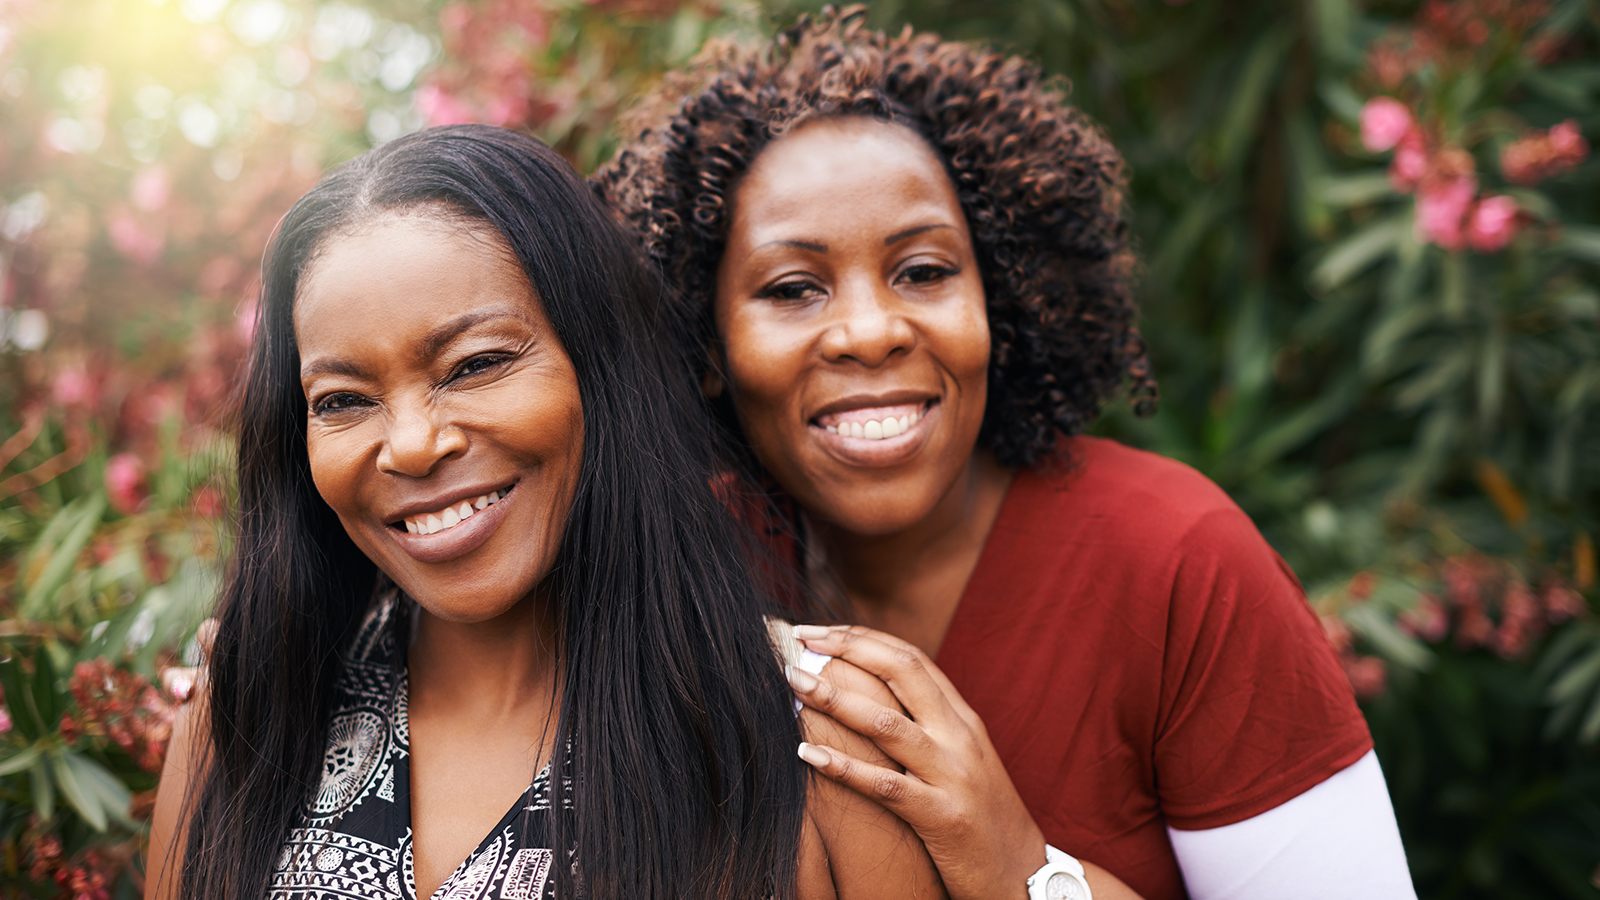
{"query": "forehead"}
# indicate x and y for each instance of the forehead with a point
(403, 265)
(837, 170)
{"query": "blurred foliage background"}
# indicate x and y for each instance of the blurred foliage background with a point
(1370, 235)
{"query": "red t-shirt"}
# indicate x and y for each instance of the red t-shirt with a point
(1142, 658)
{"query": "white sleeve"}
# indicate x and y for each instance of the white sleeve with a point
(1336, 840)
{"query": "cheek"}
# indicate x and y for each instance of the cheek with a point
(335, 469)
(762, 362)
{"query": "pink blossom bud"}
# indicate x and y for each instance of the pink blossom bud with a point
(1384, 121)
(1493, 223)
(1568, 141)
(5, 720)
(1442, 210)
(151, 188)
(1410, 163)
(1368, 675)
(125, 482)
(439, 108)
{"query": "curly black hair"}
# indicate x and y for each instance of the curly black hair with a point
(1043, 191)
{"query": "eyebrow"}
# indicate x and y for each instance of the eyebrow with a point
(813, 246)
(440, 338)
(899, 236)
(433, 342)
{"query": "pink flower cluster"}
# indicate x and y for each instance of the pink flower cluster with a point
(1449, 210)
(496, 43)
(1492, 606)
(87, 876)
(1542, 154)
(1485, 604)
(1450, 33)
(122, 706)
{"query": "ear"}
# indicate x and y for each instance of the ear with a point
(713, 382)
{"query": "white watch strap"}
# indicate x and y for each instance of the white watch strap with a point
(1060, 878)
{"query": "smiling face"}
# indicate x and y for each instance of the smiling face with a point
(444, 424)
(856, 342)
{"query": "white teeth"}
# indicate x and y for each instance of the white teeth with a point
(834, 429)
(872, 431)
(905, 423)
(451, 516)
(856, 430)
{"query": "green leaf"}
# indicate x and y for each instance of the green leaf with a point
(44, 790)
(1242, 120)
(1357, 189)
(63, 559)
(1582, 241)
(85, 802)
(1577, 680)
(1388, 640)
(1350, 256)
(1442, 377)
(18, 761)
(45, 701)
(97, 781)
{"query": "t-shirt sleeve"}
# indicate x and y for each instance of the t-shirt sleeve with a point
(1254, 707)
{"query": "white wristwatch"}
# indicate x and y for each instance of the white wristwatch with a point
(1060, 878)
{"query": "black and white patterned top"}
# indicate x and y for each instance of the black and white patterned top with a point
(355, 839)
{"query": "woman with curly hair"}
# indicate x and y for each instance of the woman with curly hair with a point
(904, 268)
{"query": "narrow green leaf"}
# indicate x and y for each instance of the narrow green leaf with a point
(1353, 254)
(1357, 189)
(1443, 376)
(18, 761)
(112, 794)
(1582, 241)
(1379, 348)
(1589, 731)
(63, 559)
(1564, 647)
(1577, 680)
(1491, 379)
(1241, 121)
(1388, 640)
(44, 790)
(45, 701)
(86, 803)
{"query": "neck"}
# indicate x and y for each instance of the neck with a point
(501, 669)
(910, 581)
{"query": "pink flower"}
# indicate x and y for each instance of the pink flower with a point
(1384, 121)
(134, 240)
(1426, 620)
(439, 108)
(1567, 141)
(125, 482)
(1337, 633)
(1562, 603)
(1442, 211)
(1410, 162)
(1493, 223)
(1368, 675)
(5, 720)
(73, 387)
(151, 188)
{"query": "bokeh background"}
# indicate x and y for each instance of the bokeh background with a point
(1370, 241)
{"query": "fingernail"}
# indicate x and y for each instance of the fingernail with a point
(814, 755)
(800, 679)
(181, 687)
(813, 632)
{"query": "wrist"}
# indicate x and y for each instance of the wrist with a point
(1062, 877)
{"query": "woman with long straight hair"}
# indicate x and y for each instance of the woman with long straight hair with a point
(487, 632)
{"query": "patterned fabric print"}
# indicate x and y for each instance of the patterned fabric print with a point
(355, 841)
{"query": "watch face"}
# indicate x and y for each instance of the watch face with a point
(1063, 886)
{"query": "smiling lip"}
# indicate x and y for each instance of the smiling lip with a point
(875, 431)
(456, 540)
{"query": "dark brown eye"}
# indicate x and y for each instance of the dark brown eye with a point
(339, 401)
(789, 291)
(923, 273)
(483, 362)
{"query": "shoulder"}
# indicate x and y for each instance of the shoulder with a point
(182, 775)
(1104, 479)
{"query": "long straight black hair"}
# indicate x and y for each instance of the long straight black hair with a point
(683, 777)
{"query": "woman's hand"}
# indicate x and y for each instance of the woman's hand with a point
(955, 792)
(180, 681)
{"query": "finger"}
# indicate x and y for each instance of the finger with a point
(901, 739)
(179, 681)
(916, 682)
(206, 635)
(901, 794)
(951, 694)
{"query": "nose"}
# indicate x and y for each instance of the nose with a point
(868, 324)
(420, 436)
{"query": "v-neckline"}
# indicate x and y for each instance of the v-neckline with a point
(402, 776)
